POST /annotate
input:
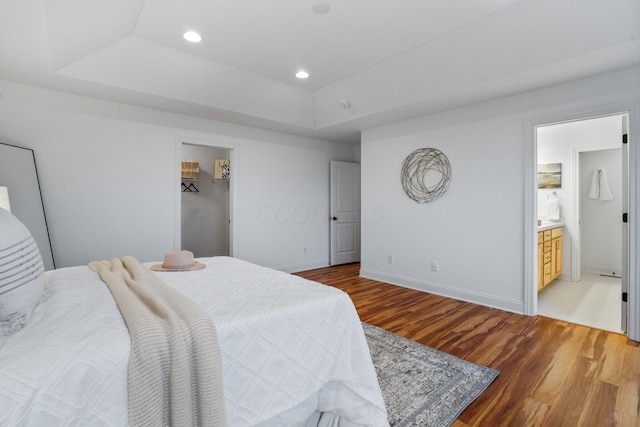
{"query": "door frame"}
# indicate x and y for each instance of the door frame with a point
(632, 109)
(177, 195)
(576, 257)
(334, 166)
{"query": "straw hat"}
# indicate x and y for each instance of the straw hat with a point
(178, 261)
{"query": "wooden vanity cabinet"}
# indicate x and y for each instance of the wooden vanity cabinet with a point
(540, 263)
(549, 255)
(556, 252)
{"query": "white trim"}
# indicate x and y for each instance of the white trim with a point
(632, 108)
(575, 201)
(530, 301)
(510, 305)
(633, 304)
(295, 268)
(177, 198)
(576, 255)
(233, 188)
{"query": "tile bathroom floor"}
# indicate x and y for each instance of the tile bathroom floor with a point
(593, 301)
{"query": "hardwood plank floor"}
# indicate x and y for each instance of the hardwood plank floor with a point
(552, 373)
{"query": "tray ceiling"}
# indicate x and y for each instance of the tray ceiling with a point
(388, 60)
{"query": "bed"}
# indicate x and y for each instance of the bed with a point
(293, 351)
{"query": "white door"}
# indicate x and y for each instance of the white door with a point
(345, 212)
(625, 224)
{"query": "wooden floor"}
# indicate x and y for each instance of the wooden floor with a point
(552, 373)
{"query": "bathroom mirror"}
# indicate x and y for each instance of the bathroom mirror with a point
(19, 174)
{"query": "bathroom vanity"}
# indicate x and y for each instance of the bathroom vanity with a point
(549, 253)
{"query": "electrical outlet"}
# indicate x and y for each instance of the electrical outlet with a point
(434, 266)
(390, 259)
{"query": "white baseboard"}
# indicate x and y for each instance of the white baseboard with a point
(601, 270)
(294, 268)
(509, 305)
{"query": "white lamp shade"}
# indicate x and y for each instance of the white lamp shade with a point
(4, 199)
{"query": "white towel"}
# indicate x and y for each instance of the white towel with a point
(600, 189)
(594, 191)
(553, 209)
(605, 190)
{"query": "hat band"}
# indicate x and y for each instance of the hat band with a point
(177, 267)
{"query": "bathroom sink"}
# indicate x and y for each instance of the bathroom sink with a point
(544, 225)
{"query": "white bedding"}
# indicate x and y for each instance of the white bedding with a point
(291, 348)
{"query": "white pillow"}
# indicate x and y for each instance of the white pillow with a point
(22, 277)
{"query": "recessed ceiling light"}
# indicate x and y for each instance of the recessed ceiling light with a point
(302, 74)
(321, 7)
(192, 36)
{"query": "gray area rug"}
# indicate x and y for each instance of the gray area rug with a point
(422, 386)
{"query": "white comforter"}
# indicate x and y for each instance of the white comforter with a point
(291, 348)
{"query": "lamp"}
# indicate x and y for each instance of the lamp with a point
(4, 199)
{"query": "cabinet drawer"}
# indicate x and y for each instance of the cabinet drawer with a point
(547, 246)
(556, 232)
(546, 235)
(547, 269)
(547, 258)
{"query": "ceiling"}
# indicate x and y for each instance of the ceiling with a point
(370, 62)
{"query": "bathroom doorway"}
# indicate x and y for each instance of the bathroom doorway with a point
(590, 193)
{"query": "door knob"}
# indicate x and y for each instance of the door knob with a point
(335, 218)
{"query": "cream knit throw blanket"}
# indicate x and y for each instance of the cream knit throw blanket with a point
(175, 367)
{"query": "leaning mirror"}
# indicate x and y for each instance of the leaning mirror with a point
(19, 175)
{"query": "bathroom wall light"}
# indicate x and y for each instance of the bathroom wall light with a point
(192, 36)
(321, 7)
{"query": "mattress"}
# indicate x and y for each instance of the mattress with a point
(291, 349)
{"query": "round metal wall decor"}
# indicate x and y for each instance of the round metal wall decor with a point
(426, 174)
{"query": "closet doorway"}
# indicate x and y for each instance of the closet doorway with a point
(206, 203)
(592, 193)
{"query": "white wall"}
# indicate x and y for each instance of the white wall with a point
(559, 143)
(289, 205)
(205, 213)
(600, 221)
(109, 179)
(476, 231)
